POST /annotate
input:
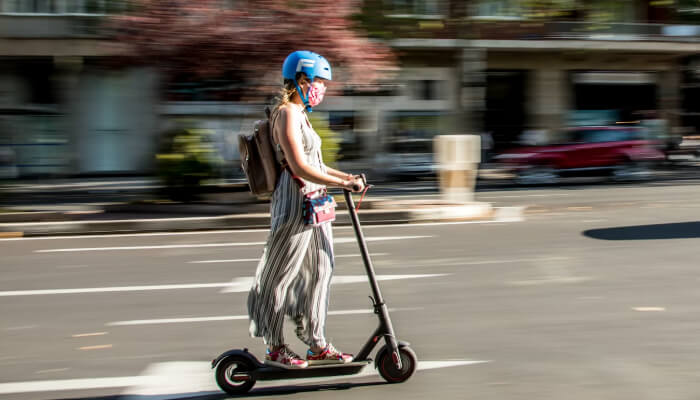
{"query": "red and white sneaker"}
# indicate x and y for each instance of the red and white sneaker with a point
(284, 357)
(329, 355)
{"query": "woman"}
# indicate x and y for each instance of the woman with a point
(294, 274)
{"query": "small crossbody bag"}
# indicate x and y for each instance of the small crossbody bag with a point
(319, 207)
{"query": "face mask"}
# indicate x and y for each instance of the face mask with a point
(316, 92)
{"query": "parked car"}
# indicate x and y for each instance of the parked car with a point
(406, 159)
(622, 153)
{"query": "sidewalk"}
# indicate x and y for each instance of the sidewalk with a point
(129, 206)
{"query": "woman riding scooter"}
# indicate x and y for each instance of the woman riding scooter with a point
(294, 274)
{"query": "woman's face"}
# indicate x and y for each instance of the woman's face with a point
(315, 91)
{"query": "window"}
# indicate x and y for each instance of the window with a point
(418, 7)
(428, 89)
(63, 6)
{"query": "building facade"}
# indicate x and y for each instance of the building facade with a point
(498, 66)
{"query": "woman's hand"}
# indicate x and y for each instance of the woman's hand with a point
(354, 183)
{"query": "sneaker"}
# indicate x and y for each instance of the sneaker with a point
(329, 355)
(284, 357)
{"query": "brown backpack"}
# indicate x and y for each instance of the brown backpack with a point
(258, 157)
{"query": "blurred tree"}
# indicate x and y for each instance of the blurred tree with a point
(330, 140)
(247, 39)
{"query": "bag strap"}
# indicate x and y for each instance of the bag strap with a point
(283, 162)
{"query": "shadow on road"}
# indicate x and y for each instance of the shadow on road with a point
(678, 230)
(262, 392)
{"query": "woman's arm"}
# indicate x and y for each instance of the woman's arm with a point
(288, 135)
(339, 174)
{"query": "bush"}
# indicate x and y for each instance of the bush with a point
(186, 160)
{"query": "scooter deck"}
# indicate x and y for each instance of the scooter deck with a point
(273, 373)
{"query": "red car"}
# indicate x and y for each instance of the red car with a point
(620, 152)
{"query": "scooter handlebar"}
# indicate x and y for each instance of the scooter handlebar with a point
(356, 188)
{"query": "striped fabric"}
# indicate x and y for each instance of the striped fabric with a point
(294, 274)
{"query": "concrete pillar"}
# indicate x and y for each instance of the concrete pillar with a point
(548, 99)
(458, 158)
(669, 96)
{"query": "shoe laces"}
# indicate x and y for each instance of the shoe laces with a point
(288, 352)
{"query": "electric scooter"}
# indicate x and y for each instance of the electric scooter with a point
(237, 370)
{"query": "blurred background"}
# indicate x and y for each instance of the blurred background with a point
(124, 117)
(94, 88)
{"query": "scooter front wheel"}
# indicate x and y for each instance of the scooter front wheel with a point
(387, 367)
(233, 375)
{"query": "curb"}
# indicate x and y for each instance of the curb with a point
(467, 212)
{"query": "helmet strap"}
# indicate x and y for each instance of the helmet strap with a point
(304, 97)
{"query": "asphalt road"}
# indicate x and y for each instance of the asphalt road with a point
(593, 295)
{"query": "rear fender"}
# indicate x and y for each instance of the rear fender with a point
(236, 352)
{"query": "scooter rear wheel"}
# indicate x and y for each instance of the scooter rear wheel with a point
(233, 375)
(387, 367)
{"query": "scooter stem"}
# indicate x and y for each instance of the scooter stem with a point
(385, 328)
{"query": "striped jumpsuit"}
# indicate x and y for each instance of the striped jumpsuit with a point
(294, 274)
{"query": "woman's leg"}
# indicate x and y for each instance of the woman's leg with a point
(277, 270)
(318, 271)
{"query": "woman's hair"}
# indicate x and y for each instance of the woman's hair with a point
(287, 91)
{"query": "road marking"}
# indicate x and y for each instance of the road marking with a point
(258, 259)
(233, 231)
(206, 245)
(243, 284)
(237, 285)
(181, 379)
(224, 261)
(80, 335)
(11, 235)
(97, 347)
(48, 371)
(649, 308)
(72, 384)
(164, 246)
(174, 380)
(522, 260)
(360, 255)
(111, 289)
(523, 195)
(22, 327)
(544, 281)
(230, 318)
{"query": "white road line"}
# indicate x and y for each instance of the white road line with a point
(234, 231)
(73, 384)
(359, 255)
(243, 284)
(228, 318)
(164, 246)
(224, 261)
(237, 285)
(182, 379)
(257, 259)
(206, 245)
(111, 289)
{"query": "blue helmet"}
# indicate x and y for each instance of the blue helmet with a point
(311, 64)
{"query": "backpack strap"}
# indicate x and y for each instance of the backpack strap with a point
(278, 149)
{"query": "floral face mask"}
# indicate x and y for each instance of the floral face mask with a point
(316, 92)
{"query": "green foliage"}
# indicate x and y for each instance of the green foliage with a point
(186, 160)
(330, 139)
